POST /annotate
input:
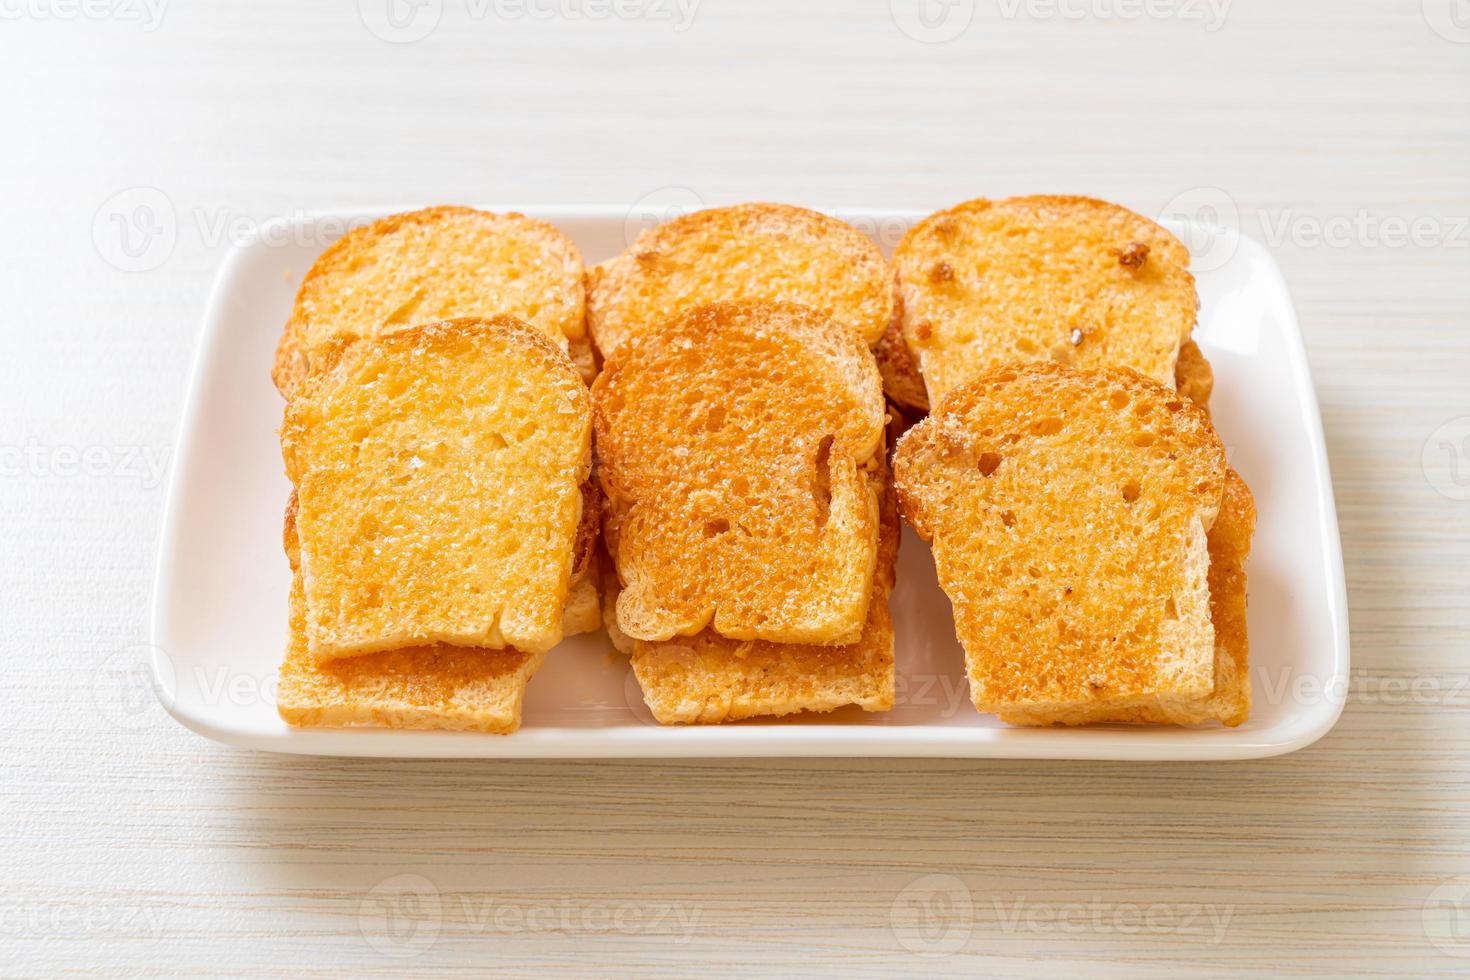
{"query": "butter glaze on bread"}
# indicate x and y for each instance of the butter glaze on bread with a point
(771, 253)
(708, 678)
(734, 446)
(1072, 279)
(434, 687)
(435, 264)
(440, 473)
(1069, 514)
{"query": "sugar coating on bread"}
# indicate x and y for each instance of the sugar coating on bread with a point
(1071, 279)
(440, 474)
(733, 446)
(1229, 701)
(1193, 376)
(436, 687)
(432, 687)
(708, 678)
(747, 253)
(1068, 512)
(435, 264)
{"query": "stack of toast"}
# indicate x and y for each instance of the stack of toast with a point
(692, 445)
(1084, 523)
(443, 518)
(741, 449)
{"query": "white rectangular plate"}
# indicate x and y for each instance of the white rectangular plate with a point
(219, 616)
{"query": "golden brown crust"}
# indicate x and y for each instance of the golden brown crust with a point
(588, 528)
(1069, 512)
(902, 382)
(1072, 279)
(437, 263)
(1230, 547)
(1193, 376)
(757, 252)
(732, 445)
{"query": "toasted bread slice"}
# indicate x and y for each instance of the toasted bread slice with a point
(610, 590)
(1193, 376)
(579, 349)
(904, 386)
(1229, 701)
(439, 471)
(902, 382)
(746, 253)
(1071, 279)
(733, 445)
(434, 264)
(438, 687)
(583, 611)
(1230, 546)
(709, 678)
(1069, 513)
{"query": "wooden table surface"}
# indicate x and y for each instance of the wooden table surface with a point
(139, 136)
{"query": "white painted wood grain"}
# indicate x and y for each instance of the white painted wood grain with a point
(133, 846)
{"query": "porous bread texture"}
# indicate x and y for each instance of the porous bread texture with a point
(904, 386)
(733, 447)
(439, 471)
(436, 687)
(583, 611)
(1230, 547)
(435, 264)
(1229, 701)
(770, 253)
(1193, 376)
(708, 678)
(1072, 279)
(1069, 513)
